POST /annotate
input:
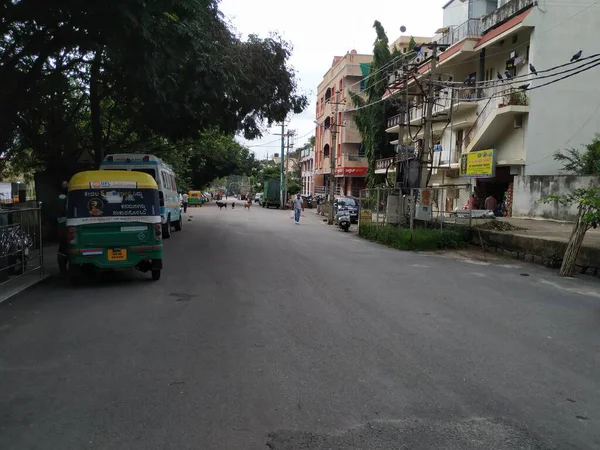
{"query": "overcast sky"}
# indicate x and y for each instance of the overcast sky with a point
(319, 30)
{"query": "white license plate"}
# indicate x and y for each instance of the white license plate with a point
(134, 228)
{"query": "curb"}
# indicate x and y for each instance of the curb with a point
(18, 288)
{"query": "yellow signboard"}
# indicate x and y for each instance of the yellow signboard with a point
(478, 164)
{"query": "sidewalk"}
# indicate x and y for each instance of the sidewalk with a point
(551, 230)
(543, 241)
(19, 284)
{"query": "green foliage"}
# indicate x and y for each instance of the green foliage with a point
(371, 120)
(412, 44)
(587, 200)
(419, 239)
(582, 163)
(136, 76)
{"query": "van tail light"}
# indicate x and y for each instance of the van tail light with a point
(157, 232)
(72, 235)
(161, 198)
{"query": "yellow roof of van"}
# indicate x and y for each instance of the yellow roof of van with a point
(82, 180)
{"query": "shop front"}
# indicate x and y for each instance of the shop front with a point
(493, 184)
(350, 180)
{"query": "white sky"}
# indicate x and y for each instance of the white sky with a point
(321, 29)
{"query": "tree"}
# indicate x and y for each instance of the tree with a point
(587, 199)
(412, 44)
(132, 75)
(370, 119)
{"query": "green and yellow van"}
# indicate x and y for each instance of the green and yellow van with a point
(195, 198)
(114, 222)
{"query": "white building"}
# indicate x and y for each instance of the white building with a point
(524, 127)
(307, 168)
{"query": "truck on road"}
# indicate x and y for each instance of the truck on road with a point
(271, 194)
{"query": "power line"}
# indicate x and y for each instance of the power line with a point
(509, 85)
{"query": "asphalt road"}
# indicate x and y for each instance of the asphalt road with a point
(262, 334)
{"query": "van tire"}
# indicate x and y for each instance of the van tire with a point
(156, 275)
(166, 231)
(179, 224)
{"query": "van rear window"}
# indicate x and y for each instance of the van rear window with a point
(150, 172)
(113, 203)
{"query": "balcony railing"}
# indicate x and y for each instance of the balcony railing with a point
(383, 164)
(395, 120)
(505, 12)
(470, 28)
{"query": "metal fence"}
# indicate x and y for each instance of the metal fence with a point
(21, 246)
(435, 207)
(432, 207)
(382, 205)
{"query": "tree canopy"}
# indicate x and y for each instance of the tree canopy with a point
(136, 75)
(371, 118)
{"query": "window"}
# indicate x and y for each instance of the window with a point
(150, 172)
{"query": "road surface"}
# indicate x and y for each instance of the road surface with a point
(262, 334)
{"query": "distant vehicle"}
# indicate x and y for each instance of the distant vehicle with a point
(195, 198)
(258, 197)
(164, 176)
(271, 194)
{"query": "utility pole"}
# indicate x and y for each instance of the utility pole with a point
(289, 134)
(282, 172)
(402, 131)
(424, 154)
(332, 157)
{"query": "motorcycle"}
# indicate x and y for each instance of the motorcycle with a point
(342, 219)
(15, 245)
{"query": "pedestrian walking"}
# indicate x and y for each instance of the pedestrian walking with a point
(298, 208)
(185, 202)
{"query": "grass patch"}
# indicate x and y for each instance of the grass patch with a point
(421, 238)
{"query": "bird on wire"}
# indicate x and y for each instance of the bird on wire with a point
(577, 55)
(532, 69)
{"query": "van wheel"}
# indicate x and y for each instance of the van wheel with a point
(156, 275)
(179, 224)
(166, 231)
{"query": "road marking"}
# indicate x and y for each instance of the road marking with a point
(419, 265)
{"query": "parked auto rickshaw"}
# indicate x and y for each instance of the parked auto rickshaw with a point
(113, 222)
(195, 198)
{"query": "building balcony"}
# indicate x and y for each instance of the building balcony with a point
(464, 101)
(354, 161)
(385, 164)
(505, 12)
(494, 119)
(352, 166)
(469, 29)
(350, 133)
(393, 124)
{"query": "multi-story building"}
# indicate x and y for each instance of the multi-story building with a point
(307, 169)
(403, 42)
(524, 122)
(350, 165)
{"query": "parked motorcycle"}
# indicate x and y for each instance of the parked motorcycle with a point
(15, 245)
(342, 219)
